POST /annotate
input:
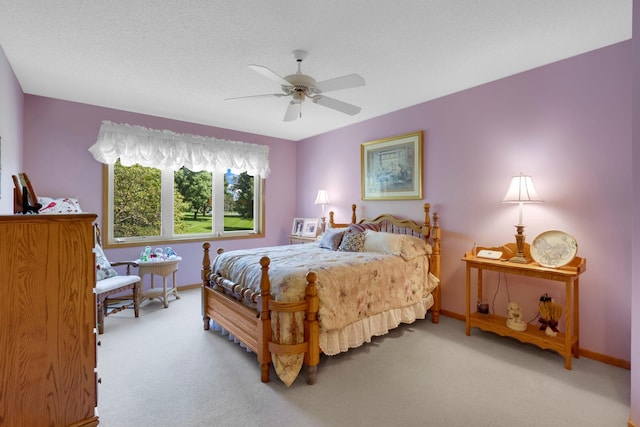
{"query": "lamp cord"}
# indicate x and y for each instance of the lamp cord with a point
(506, 285)
(495, 294)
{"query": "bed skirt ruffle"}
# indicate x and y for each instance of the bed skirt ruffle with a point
(215, 326)
(361, 331)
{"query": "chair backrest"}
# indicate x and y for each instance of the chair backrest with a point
(24, 197)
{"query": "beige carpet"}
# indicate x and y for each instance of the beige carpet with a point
(163, 369)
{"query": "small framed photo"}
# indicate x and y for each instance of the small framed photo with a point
(297, 227)
(310, 228)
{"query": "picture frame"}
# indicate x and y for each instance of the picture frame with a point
(310, 228)
(297, 226)
(391, 168)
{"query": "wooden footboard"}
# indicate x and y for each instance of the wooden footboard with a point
(222, 302)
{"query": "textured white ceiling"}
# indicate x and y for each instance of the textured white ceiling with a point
(180, 59)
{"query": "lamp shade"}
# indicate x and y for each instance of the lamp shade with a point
(521, 190)
(322, 198)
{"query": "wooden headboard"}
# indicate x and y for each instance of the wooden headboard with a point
(393, 224)
(429, 230)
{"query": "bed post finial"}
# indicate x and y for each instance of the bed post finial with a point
(264, 330)
(427, 215)
(206, 271)
(353, 213)
(206, 263)
(312, 328)
(331, 222)
(436, 224)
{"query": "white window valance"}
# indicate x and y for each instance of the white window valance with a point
(164, 149)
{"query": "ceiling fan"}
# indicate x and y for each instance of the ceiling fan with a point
(300, 86)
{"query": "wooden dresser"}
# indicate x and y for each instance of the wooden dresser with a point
(47, 321)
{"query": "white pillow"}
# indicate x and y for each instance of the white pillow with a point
(408, 247)
(382, 242)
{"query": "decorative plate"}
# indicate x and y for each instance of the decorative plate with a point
(554, 248)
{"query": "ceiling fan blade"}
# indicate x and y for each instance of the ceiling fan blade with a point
(339, 83)
(341, 106)
(293, 111)
(266, 95)
(269, 74)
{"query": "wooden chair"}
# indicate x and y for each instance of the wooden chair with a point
(24, 197)
(110, 283)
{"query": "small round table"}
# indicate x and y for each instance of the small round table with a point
(161, 268)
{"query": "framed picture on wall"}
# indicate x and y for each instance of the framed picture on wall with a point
(391, 168)
(297, 227)
(310, 228)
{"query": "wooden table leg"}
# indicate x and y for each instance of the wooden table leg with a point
(576, 318)
(568, 329)
(468, 309)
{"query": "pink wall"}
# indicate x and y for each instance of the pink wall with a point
(568, 125)
(57, 137)
(635, 254)
(11, 117)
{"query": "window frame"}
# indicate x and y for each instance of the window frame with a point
(167, 236)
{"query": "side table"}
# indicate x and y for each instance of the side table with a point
(163, 269)
(301, 239)
(566, 343)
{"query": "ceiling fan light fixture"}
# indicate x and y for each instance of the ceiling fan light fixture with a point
(300, 86)
(298, 96)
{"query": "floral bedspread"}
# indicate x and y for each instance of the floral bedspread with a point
(352, 286)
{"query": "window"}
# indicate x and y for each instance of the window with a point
(146, 204)
(146, 201)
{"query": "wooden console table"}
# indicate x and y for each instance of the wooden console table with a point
(163, 269)
(566, 343)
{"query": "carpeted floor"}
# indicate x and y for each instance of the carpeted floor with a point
(163, 369)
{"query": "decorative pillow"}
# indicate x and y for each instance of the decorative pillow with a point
(64, 205)
(331, 238)
(361, 228)
(413, 247)
(103, 266)
(381, 242)
(352, 242)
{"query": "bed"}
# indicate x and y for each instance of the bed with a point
(289, 304)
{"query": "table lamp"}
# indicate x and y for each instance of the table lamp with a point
(521, 191)
(322, 199)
